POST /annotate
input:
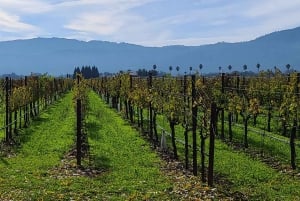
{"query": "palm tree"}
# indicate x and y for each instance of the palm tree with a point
(154, 67)
(288, 66)
(170, 69)
(177, 69)
(220, 68)
(258, 66)
(245, 67)
(229, 68)
(200, 68)
(191, 68)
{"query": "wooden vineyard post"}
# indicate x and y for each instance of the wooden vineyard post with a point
(238, 92)
(26, 116)
(212, 130)
(7, 135)
(119, 96)
(79, 121)
(292, 145)
(10, 110)
(20, 117)
(78, 144)
(222, 109)
(106, 91)
(186, 139)
(194, 125)
(129, 103)
(16, 120)
(237, 84)
(38, 96)
(269, 106)
(150, 108)
(202, 151)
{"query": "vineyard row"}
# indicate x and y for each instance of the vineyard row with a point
(200, 104)
(24, 98)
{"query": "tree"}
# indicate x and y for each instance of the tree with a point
(177, 69)
(170, 69)
(245, 67)
(258, 66)
(76, 71)
(95, 73)
(200, 67)
(229, 68)
(288, 66)
(191, 68)
(153, 72)
(87, 72)
(142, 72)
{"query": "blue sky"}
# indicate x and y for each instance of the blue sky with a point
(147, 22)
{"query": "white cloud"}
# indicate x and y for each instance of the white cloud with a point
(111, 5)
(268, 16)
(28, 6)
(148, 22)
(12, 23)
(105, 24)
(112, 17)
(268, 8)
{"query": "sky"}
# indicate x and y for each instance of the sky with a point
(147, 22)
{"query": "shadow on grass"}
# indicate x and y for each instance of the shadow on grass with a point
(3, 161)
(24, 135)
(93, 130)
(101, 163)
(39, 119)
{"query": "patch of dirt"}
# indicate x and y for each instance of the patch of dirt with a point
(8, 149)
(69, 168)
(186, 186)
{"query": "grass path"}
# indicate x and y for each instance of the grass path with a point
(250, 176)
(132, 170)
(24, 176)
(129, 169)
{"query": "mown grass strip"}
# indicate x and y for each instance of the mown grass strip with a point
(277, 148)
(251, 177)
(24, 175)
(131, 168)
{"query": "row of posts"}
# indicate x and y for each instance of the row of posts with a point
(213, 128)
(8, 113)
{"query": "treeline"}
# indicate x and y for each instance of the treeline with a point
(144, 72)
(87, 72)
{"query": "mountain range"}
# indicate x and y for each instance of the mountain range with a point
(59, 56)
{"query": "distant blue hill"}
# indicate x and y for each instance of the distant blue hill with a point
(58, 56)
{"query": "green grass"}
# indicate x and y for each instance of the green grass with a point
(246, 175)
(2, 121)
(130, 170)
(252, 177)
(279, 150)
(271, 144)
(24, 175)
